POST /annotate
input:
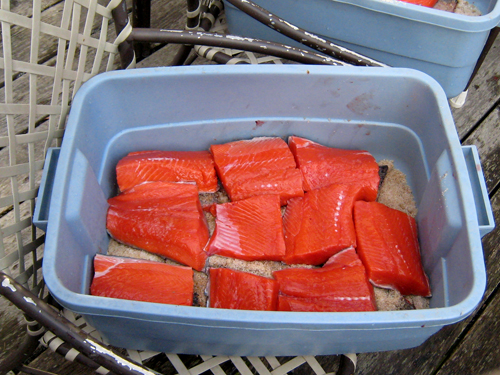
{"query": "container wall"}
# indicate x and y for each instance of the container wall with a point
(345, 22)
(368, 100)
(82, 226)
(190, 339)
(426, 41)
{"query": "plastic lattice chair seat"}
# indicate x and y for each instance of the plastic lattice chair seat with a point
(48, 49)
(45, 58)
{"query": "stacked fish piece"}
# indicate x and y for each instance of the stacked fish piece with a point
(309, 207)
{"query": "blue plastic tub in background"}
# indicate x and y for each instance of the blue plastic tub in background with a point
(397, 114)
(444, 45)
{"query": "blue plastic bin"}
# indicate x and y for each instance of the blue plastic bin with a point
(398, 114)
(444, 45)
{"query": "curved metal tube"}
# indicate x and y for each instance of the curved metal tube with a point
(302, 36)
(232, 41)
(44, 314)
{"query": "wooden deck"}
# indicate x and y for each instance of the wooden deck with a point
(469, 347)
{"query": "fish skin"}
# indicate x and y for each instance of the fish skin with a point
(142, 280)
(250, 229)
(263, 165)
(322, 166)
(230, 289)
(171, 166)
(388, 247)
(163, 218)
(343, 258)
(320, 224)
(335, 287)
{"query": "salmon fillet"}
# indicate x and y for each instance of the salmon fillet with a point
(161, 217)
(250, 229)
(320, 224)
(388, 246)
(322, 166)
(172, 166)
(346, 257)
(258, 166)
(142, 280)
(230, 289)
(334, 287)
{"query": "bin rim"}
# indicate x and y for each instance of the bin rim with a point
(436, 17)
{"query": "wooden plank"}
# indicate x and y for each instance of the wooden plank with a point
(479, 351)
(21, 36)
(12, 328)
(422, 360)
(53, 362)
(483, 93)
(174, 17)
(488, 144)
(481, 338)
(166, 14)
(21, 85)
(12, 325)
(21, 154)
(487, 139)
(25, 8)
(428, 357)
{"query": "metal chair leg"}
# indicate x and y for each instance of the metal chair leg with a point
(43, 313)
(20, 355)
(141, 18)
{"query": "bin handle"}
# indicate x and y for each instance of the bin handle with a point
(41, 214)
(481, 199)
